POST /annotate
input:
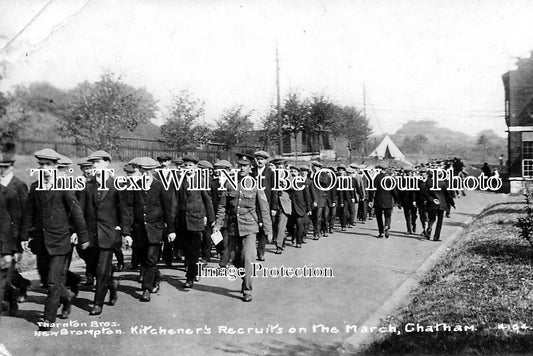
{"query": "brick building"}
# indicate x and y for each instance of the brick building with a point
(518, 86)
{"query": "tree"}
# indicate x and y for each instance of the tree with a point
(351, 124)
(233, 127)
(181, 130)
(13, 118)
(99, 112)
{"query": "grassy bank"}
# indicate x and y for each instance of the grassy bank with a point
(484, 282)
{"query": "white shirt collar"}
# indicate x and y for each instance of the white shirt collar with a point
(7, 179)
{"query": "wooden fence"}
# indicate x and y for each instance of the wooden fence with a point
(133, 148)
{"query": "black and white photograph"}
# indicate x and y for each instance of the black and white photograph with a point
(230, 177)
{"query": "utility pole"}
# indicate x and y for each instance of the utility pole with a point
(280, 121)
(364, 115)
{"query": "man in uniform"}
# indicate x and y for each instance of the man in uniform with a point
(262, 171)
(49, 215)
(239, 208)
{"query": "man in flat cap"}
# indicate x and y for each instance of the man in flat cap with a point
(10, 223)
(225, 249)
(106, 214)
(322, 199)
(213, 191)
(421, 199)
(194, 212)
(151, 211)
(407, 200)
(19, 284)
(383, 201)
(262, 171)
(284, 209)
(301, 207)
(239, 208)
(50, 213)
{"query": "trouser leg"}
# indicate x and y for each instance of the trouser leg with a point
(104, 275)
(247, 249)
(191, 244)
(56, 286)
(379, 218)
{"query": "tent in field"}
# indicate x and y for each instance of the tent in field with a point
(387, 150)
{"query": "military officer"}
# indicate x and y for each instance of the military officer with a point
(262, 171)
(239, 208)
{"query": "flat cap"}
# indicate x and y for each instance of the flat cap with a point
(263, 154)
(164, 158)
(292, 166)
(177, 161)
(84, 162)
(423, 170)
(304, 167)
(205, 164)
(354, 165)
(341, 167)
(100, 154)
(47, 153)
(129, 168)
(222, 163)
(244, 158)
(7, 160)
(190, 159)
(316, 163)
(133, 160)
(64, 161)
(277, 159)
(147, 163)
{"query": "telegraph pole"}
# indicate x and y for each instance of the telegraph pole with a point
(280, 121)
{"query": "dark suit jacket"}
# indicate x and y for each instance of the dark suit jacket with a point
(443, 195)
(301, 202)
(322, 197)
(22, 192)
(382, 198)
(48, 218)
(151, 210)
(10, 219)
(104, 210)
(192, 207)
(268, 183)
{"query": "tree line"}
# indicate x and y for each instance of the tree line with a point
(96, 114)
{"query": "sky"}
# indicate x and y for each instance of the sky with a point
(417, 60)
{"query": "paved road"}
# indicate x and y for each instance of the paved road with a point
(366, 270)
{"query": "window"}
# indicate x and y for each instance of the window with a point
(527, 154)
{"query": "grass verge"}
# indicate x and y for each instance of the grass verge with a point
(485, 282)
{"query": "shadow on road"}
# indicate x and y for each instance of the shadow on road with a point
(301, 346)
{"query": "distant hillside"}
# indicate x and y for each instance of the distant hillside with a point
(423, 140)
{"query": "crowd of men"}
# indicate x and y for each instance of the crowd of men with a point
(175, 223)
